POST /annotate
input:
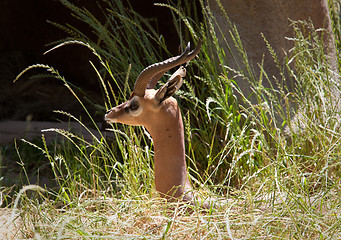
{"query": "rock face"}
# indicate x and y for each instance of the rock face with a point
(272, 18)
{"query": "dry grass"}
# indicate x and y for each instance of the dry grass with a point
(144, 217)
(271, 183)
(9, 229)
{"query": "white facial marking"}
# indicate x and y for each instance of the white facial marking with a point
(132, 104)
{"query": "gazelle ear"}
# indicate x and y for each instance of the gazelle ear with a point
(171, 86)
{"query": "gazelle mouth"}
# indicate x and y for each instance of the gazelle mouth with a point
(108, 119)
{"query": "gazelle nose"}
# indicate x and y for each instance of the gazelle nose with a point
(108, 111)
(106, 118)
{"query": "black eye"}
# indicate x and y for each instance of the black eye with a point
(134, 105)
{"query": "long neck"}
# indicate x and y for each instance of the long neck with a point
(171, 178)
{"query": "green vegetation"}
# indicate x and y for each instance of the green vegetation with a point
(276, 176)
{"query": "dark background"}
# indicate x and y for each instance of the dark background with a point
(26, 34)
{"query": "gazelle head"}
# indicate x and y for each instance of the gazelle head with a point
(146, 104)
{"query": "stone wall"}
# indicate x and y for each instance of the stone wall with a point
(272, 18)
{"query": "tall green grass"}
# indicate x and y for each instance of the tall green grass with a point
(274, 165)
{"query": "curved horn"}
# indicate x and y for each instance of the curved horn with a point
(158, 69)
(192, 54)
(153, 81)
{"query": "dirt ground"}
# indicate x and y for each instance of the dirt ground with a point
(10, 130)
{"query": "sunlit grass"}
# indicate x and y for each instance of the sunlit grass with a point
(274, 172)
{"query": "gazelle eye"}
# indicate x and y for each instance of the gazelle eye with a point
(133, 106)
